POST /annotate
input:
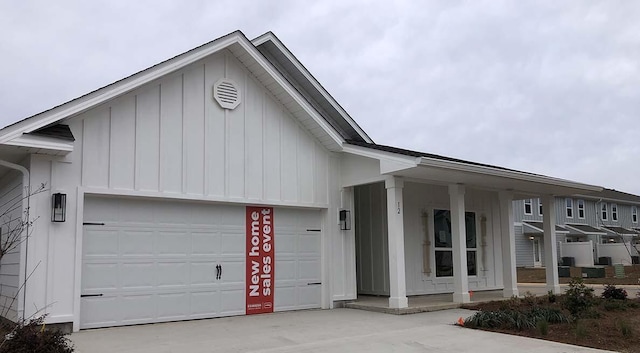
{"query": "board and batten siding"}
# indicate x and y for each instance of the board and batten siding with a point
(172, 137)
(11, 211)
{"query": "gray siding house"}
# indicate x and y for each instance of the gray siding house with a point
(587, 227)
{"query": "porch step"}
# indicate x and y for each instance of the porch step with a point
(402, 311)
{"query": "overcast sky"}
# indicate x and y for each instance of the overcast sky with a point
(550, 87)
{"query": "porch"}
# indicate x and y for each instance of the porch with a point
(435, 302)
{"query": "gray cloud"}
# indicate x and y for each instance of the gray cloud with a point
(541, 86)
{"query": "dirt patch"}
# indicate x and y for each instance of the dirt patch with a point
(537, 275)
(611, 325)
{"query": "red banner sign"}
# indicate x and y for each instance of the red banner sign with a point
(260, 277)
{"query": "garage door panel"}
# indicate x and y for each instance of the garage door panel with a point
(104, 308)
(138, 308)
(285, 243)
(136, 243)
(173, 306)
(309, 244)
(309, 296)
(205, 243)
(137, 275)
(205, 304)
(100, 242)
(203, 273)
(100, 276)
(309, 269)
(284, 297)
(171, 274)
(234, 301)
(233, 271)
(285, 270)
(173, 243)
(233, 243)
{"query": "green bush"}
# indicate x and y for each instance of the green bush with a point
(543, 327)
(32, 337)
(611, 292)
(625, 328)
(515, 319)
(578, 298)
(551, 297)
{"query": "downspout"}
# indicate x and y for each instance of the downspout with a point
(26, 190)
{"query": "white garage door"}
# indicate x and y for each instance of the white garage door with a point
(149, 261)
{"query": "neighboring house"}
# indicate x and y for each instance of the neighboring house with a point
(227, 181)
(588, 227)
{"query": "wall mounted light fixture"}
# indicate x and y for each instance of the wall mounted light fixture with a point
(345, 220)
(58, 207)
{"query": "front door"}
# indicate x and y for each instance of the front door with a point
(537, 258)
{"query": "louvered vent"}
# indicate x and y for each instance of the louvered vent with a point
(226, 93)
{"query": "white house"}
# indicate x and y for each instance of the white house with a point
(227, 181)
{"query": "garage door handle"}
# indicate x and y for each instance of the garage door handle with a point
(313, 283)
(92, 224)
(90, 295)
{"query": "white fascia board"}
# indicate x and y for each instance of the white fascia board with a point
(608, 199)
(46, 143)
(410, 162)
(277, 76)
(116, 89)
(462, 167)
(270, 37)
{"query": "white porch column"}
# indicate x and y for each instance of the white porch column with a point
(508, 241)
(395, 220)
(459, 243)
(550, 245)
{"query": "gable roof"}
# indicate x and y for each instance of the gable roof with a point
(299, 77)
(323, 127)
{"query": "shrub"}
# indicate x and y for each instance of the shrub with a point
(32, 337)
(543, 327)
(625, 328)
(611, 292)
(581, 330)
(515, 319)
(613, 305)
(551, 297)
(578, 298)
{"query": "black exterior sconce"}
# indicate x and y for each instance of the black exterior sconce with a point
(58, 207)
(345, 220)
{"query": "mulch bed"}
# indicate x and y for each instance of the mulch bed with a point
(603, 332)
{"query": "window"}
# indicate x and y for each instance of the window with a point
(528, 207)
(569, 203)
(540, 207)
(603, 212)
(580, 209)
(614, 212)
(444, 246)
(634, 214)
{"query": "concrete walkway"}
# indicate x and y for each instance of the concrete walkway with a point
(338, 330)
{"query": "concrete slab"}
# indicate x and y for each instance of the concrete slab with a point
(338, 330)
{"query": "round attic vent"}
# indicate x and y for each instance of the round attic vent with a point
(226, 93)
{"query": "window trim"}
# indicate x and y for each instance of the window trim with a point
(634, 214)
(581, 208)
(568, 207)
(528, 202)
(476, 249)
(604, 212)
(540, 207)
(614, 212)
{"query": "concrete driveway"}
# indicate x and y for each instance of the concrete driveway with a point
(338, 330)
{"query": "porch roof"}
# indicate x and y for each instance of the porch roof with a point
(620, 230)
(584, 229)
(536, 228)
(437, 169)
